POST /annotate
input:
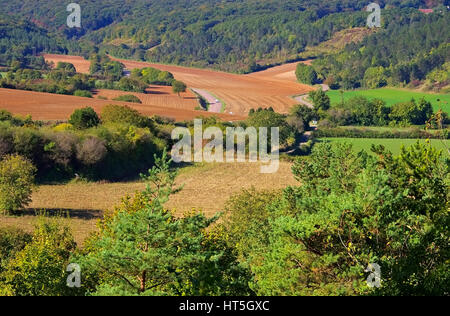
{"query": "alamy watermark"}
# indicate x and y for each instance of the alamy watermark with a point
(374, 19)
(74, 18)
(74, 278)
(258, 145)
(374, 279)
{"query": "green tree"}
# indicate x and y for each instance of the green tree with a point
(306, 74)
(40, 268)
(320, 100)
(375, 77)
(178, 87)
(16, 182)
(84, 118)
(143, 249)
(353, 210)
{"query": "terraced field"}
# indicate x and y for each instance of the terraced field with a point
(46, 106)
(274, 87)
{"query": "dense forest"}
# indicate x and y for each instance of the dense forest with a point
(228, 35)
(411, 47)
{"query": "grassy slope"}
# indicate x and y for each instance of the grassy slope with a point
(392, 96)
(392, 145)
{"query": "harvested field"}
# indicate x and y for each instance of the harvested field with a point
(156, 95)
(240, 92)
(207, 187)
(46, 106)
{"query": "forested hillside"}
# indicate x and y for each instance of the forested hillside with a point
(228, 35)
(409, 48)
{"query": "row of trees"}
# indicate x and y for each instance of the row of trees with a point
(350, 212)
(360, 110)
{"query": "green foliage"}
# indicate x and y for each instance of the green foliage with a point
(143, 249)
(16, 182)
(178, 87)
(128, 98)
(151, 75)
(408, 47)
(306, 74)
(12, 240)
(67, 67)
(320, 100)
(39, 268)
(132, 85)
(411, 112)
(246, 214)
(124, 114)
(352, 210)
(268, 118)
(83, 93)
(375, 77)
(84, 118)
(105, 68)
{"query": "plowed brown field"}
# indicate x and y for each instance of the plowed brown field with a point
(157, 95)
(45, 106)
(274, 87)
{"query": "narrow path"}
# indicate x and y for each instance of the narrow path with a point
(215, 106)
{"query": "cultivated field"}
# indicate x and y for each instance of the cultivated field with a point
(156, 95)
(46, 106)
(207, 187)
(392, 96)
(239, 92)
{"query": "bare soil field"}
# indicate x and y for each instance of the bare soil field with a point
(240, 92)
(46, 106)
(207, 187)
(156, 95)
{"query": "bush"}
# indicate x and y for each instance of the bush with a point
(132, 85)
(84, 118)
(12, 240)
(83, 93)
(16, 182)
(128, 98)
(91, 151)
(124, 114)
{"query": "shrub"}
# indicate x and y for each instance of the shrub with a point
(5, 115)
(84, 118)
(63, 148)
(124, 114)
(128, 98)
(16, 182)
(130, 84)
(12, 240)
(83, 93)
(63, 127)
(91, 151)
(39, 268)
(6, 141)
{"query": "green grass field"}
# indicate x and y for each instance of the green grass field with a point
(392, 145)
(392, 96)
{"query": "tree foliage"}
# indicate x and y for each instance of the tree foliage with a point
(16, 182)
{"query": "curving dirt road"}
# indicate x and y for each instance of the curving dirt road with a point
(215, 106)
(273, 87)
